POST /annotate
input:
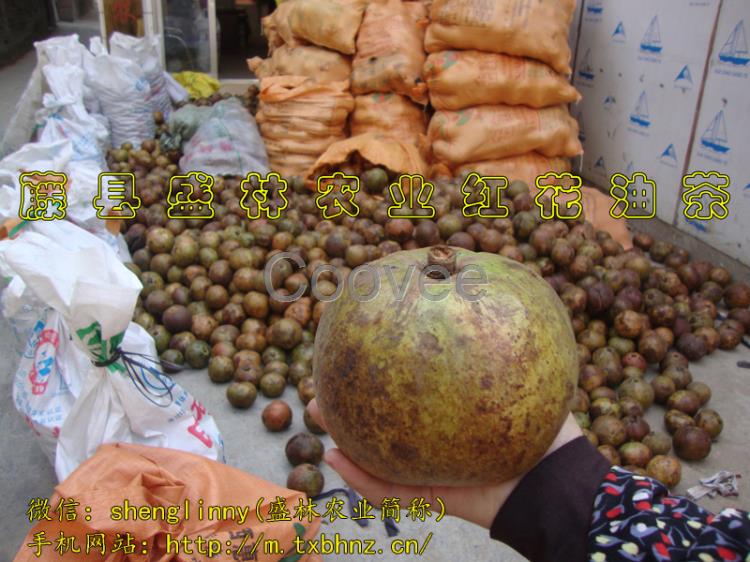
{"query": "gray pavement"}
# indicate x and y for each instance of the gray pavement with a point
(26, 473)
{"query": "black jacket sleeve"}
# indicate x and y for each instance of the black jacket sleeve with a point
(548, 516)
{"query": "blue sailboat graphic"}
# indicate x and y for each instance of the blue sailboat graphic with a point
(595, 7)
(669, 156)
(609, 102)
(581, 130)
(715, 136)
(652, 39)
(641, 116)
(586, 71)
(600, 165)
(619, 34)
(684, 78)
(735, 49)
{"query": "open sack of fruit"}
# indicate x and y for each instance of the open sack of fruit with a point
(88, 375)
(180, 484)
(300, 118)
(359, 153)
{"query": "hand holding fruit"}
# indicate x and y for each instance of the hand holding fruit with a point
(477, 504)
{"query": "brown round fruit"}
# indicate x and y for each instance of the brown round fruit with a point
(311, 424)
(241, 394)
(277, 416)
(610, 430)
(636, 454)
(665, 469)
(685, 401)
(304, 448)
(272, 385)
(610, 453)
(659, 442)
(307, 479)
(664, 387)
(710, 421)
(306, 390)
(702, 390)
(692, 443)
(220, 369)
(636, 427)
(674, 420)
(353, 367)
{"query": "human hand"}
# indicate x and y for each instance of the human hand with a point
(478, 504)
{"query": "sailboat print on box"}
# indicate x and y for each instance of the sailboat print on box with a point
(715, 137)
(595, 7)
(735, 49)
(684, 79)
(587, 71)
(669, 156)
(641, 115)
(651, 42)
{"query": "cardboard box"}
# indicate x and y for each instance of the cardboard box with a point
(722, 135)
(640, 71)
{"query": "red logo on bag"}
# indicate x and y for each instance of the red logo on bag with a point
(44, 360)
(196, 431)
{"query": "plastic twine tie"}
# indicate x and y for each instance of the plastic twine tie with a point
(146, 375)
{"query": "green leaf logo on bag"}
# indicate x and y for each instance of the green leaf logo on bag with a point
(463, 117)
(100, 349)
(448, 59)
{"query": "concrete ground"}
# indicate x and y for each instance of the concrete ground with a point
(26, 473)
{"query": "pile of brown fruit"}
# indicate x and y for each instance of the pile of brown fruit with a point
(206, 303)
(249, 99)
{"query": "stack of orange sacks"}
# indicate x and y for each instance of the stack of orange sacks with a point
(497, 76)
(387, 71)
(305, 98)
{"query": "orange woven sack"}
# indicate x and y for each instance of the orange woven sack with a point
(298, 116)
(323, 65)
(328, 23)
(492, 132)
(276, 27)
(368, 150)
(459, 79)
(525, 28)
(390, 115)
(526, 167)
(390, 55)
(174, 486)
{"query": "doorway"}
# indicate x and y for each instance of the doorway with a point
(214, 36)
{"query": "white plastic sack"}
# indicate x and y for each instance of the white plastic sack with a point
(55, 51)
(124, 93)
(144, 51)
(63, 115)
(81, 280)
(82, 176)
(227, 143)
(176, 91)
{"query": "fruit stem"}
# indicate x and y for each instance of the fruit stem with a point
(443, 256)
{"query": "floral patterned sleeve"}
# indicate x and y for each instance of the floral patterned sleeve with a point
(635, 519)
(574, 507)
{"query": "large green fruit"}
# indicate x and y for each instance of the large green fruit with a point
(430, 391)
